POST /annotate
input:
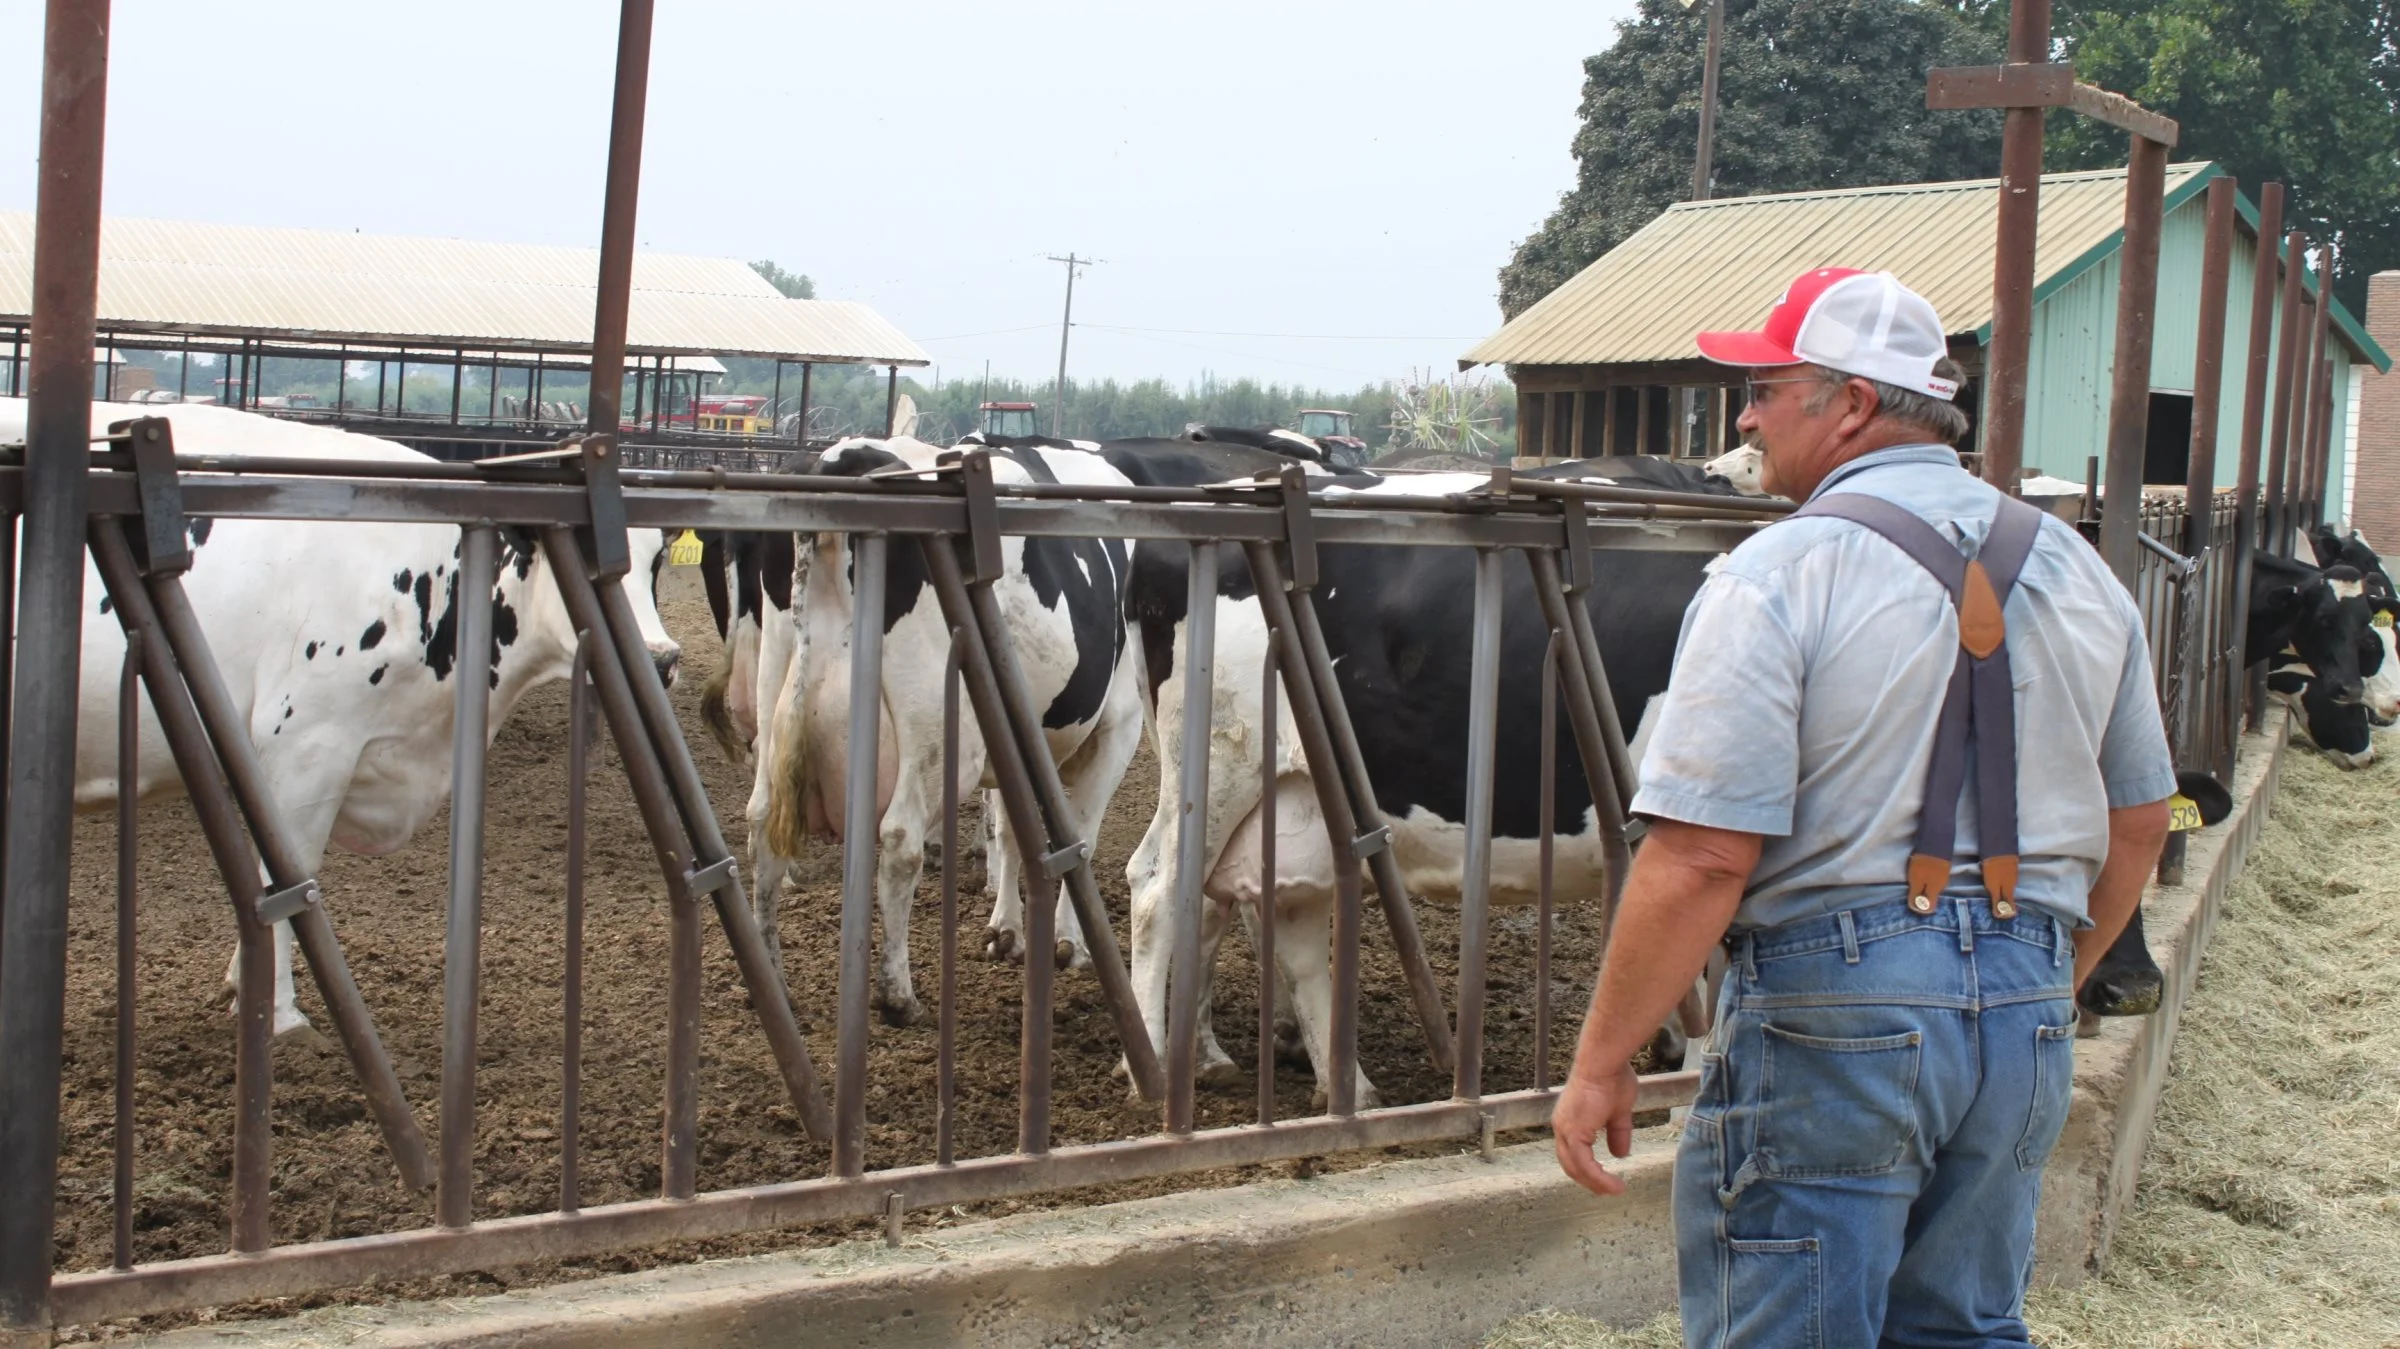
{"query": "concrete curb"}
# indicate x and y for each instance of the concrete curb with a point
(1433, 1252)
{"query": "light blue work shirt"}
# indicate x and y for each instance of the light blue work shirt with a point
(1810, 673)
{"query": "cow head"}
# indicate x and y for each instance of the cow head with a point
(543, 631)
(1744, 466)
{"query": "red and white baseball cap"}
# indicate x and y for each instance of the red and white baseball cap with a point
(1860, 323)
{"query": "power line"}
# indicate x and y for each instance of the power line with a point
(988, 332)
(1304, 337)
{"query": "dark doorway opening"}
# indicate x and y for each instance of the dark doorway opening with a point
(2167, 448)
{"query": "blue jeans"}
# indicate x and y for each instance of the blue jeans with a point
(1863, 1162)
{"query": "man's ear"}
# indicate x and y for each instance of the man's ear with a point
(1863, 403)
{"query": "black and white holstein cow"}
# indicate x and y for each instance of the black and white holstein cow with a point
(1060, 599)
(338, 642)
(1397, 624)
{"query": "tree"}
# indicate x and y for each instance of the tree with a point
(2305, 91)
(1811, 94)
(793, 287)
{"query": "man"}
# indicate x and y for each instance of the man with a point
(1832, 790)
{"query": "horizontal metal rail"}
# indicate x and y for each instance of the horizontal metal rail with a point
(177, 1285)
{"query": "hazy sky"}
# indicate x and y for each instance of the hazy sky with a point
(1299, 190)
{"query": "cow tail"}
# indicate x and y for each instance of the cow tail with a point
(790, 784)
(718, 720)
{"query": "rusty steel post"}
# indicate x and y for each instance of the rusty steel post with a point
(41, 767)
(2278, 538)
(2208, 368)
(462, 940)
(1266, 885)
(617, 214)
(2316, 447)
(1545, 894)
(1590, 705)
(861, 824)
(579, 771)
(1475, 862)
(2129, 384)
(129, 777)
(2003, 438)
(945, 1121)
(1199, 670)
(2263, 282)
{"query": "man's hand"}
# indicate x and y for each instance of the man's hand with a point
(1585, 1107)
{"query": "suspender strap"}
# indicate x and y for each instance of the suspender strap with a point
(1980, 705)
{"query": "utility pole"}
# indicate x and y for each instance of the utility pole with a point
(1058, 408)
(1701, 162)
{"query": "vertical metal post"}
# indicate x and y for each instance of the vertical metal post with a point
(41, 761)
(2278, 539)
(1708, 111)
(129, 778)
(1475, 863)
(774, 403)
(399, 382)
(617, 215)
(2208, 368)
(1191, 830)
(808, 371)
(462, 943)
(2003, 436)
(2300, 386)
(1266, 886)
(2254, 419)
(2129, 391)
(891, 398)
(945, 1080)
(580, 713)
(183, 373)
(1545, 895)
(860, 826)
(2316, 447)
(458, 375)
(341, 378)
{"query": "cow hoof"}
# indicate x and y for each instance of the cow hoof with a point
(1066, 957)
(900, 1011)
(1220, 1072)
(1368, 1099)
(1289, 1049)
(2133, 992)
(1000, 944)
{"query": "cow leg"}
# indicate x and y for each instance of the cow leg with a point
(2126, 982)
(1304, 953)
(1091, 776)
(1153, 930)
(1005, 934)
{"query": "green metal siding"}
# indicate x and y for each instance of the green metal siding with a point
(2074, 349)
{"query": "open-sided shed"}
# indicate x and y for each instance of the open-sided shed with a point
(1605, 363)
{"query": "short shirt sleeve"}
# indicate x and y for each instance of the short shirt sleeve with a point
(1725, 751)
(2135, 762)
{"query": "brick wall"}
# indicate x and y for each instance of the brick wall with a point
(2375, 510)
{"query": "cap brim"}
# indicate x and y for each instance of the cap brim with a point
(1744, 349)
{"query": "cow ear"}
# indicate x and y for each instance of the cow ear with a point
(2208, 794)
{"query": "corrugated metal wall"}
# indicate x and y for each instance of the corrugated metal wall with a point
(2074, 348)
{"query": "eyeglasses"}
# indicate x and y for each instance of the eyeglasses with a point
(1750, 387)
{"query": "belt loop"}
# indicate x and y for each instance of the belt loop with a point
(1849, 937)
(2061, 942)
(1966, 925)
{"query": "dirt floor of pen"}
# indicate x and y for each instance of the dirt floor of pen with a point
(332, 1177)
(2269, 1206)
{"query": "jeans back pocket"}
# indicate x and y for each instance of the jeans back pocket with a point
(1836, 1106)
(2053, 1092)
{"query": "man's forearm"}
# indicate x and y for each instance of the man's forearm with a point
(2136, 835)
(1679, 899)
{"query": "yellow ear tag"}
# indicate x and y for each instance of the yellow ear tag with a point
(2383, 618)
(2183, 813)
(685, 551)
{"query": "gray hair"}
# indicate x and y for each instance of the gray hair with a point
(1942, 419)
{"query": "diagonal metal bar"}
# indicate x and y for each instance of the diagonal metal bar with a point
(1028, 784)
(183, 644)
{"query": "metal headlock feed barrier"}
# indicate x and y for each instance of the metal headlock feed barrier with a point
(126, 500)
